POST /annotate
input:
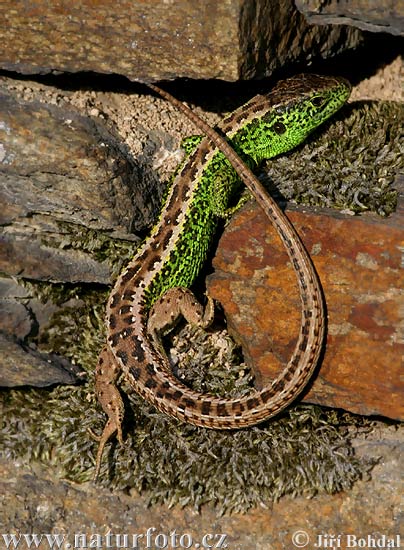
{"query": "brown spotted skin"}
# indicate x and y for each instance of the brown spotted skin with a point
(149, 295)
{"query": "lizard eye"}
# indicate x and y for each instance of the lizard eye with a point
(317, 101)
(279, 128)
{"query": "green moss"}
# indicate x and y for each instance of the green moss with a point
(350, 164)
(303, 452)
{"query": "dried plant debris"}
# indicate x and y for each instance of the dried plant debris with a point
(350, 165)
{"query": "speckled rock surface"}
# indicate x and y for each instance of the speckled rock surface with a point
(61, 175)
(152, 40)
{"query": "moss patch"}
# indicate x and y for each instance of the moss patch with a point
(303, 452)
(350, 164)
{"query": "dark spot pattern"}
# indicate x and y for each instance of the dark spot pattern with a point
(278, 386)
(123, 356)
(221, 409)
(295, 361)
(130, 273)
(150, 383)
(267, 394)
(205, 408)
(287, 377)
(303, 343)
(167, 238)
(113, 338)
(112, 321)
(138, 351)
(150, 369)
(252, 403)
(114, 300)
(238, 407)
(136, 372)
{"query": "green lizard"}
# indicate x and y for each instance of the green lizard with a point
(153, 290)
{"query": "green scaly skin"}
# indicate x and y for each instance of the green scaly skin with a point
(277, 132)
(145, 297)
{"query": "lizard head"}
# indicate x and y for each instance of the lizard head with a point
(276, 122)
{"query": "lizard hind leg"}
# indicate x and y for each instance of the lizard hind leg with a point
(106, 374)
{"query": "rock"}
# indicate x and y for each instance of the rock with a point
(21, 314)
(15, 317)
(369, 15)
(23, 317)
(22, 365)
(149, 40)
(359, 261)
(65, 184)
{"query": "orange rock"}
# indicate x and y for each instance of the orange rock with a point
(360, 264)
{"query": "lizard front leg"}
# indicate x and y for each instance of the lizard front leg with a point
(175, 303)
(106, 375)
